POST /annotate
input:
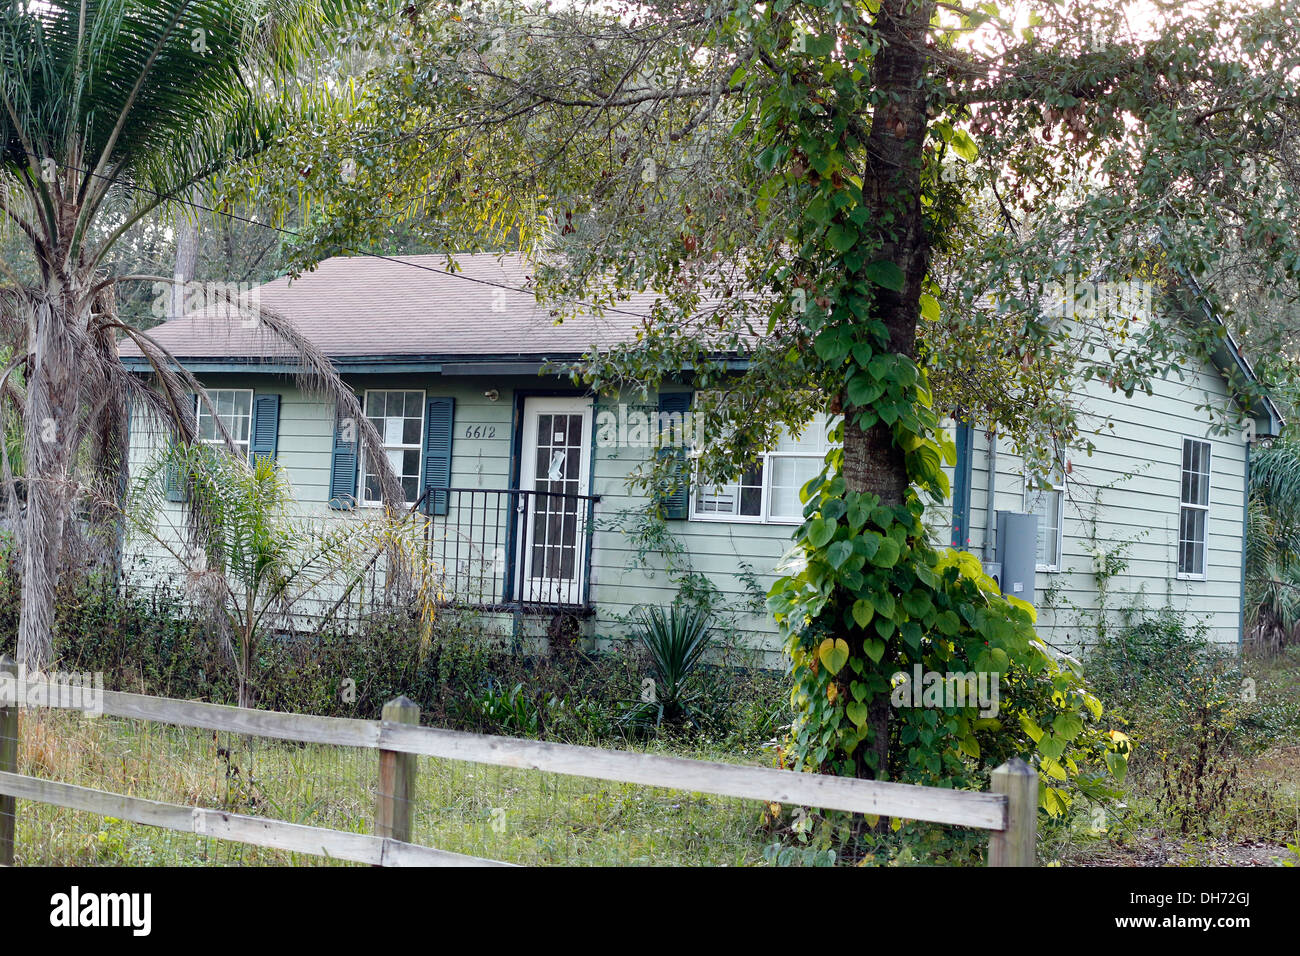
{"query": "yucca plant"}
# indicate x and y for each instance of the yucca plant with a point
(675, 641)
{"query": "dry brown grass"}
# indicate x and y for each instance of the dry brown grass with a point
(515, 815)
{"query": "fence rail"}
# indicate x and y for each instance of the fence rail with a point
(236, 827)
(1009, 812)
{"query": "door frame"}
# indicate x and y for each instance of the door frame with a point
(514, 584)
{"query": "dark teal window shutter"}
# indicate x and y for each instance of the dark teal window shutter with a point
(265, 427)
(343, 464)
(439, 413)
(176, 490)
(674, 409)
(961, 487)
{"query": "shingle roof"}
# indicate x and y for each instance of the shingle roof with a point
(407, 305)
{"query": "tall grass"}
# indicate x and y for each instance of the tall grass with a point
(519, 816)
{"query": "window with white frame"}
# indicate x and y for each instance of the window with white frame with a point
(234, 407)
(1194, 510)
(769, 491)
(398, 416)
(1045, 497)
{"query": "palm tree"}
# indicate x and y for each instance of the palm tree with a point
(1273, 547)
(259, 564)
(109, 111)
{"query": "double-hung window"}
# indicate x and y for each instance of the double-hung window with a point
(1046, 498)
(398, 416)
(1194, 509)
(234, 408)
(740, 500)
(768, 492)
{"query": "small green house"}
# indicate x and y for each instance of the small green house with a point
(521, 476)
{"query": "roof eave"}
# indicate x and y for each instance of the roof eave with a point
(1229, 349)
(444, 364)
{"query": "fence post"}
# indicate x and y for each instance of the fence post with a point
(8, 760)
(396, 777)
(1014, 846)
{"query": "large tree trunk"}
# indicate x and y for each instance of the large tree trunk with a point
(892, 186)
(100, 546)
(187, 257)
(49, 423)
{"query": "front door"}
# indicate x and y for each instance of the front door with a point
(554, 476)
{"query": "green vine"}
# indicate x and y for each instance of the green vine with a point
(866, 596)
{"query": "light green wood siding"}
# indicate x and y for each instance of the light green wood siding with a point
(1124, 500)
(1125, 493)
(737, 557)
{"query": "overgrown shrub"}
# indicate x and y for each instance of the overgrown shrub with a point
(1166, 679)
(1196, 717)
(143, 641)
(146, 641)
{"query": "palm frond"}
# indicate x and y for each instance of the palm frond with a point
(113, 97)
(1273, 545)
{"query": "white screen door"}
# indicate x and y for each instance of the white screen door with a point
(554, 468)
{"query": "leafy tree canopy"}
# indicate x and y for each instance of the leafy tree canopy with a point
(621, 145)
(875, 204)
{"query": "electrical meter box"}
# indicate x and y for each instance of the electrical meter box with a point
(1017, 553)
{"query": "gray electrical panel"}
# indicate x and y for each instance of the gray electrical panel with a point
(1017, 553)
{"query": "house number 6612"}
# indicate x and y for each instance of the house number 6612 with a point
(480, 431)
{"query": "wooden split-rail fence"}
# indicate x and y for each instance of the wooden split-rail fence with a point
(1009, 811)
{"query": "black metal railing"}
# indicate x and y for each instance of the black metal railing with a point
(511, 548)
